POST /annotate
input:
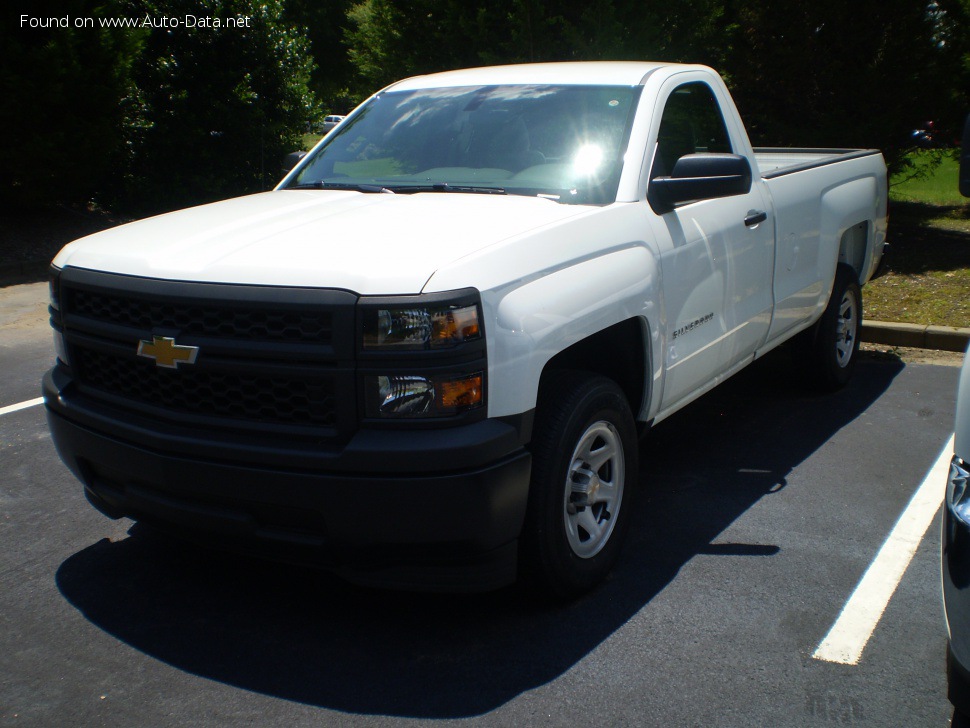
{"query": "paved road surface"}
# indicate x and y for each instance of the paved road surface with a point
(762, 509)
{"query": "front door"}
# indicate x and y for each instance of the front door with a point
(717, 256)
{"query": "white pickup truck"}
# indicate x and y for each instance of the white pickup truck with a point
(424, 358)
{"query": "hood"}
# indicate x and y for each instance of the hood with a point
(367, 243)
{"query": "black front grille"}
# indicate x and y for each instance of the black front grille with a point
(289, 401)
(270, 360)
(211, 319)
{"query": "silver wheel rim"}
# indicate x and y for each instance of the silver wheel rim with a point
(594, 489)
(846, 329)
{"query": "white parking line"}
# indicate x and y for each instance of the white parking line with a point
(848, 637)
(21, 406)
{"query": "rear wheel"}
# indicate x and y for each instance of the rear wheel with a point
(829, 350)
(584, 474)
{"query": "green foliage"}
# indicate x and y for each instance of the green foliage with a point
(156, 118)
(827, 73)
(831, 74)
(324, 25)
(688, 31)
(150, 118)
(389, 40)
(928, 272)
(931, 177)
(219, 107)
(67, 93)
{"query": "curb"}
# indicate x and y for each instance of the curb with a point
(916, 336)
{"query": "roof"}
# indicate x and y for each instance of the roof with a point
(605, 73)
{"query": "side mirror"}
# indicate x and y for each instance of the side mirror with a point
(291, 160)
(965, 159)
(700, 177)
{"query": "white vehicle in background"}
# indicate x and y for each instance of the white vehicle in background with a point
(328, 123)
(955, 553)
(423, 359)
(955, 548)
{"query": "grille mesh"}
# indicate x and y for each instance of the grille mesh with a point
(220, 394)
(270, 360)
(217, 321)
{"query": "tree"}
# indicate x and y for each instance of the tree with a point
(691, 31)
(834, 74)
(952, 22)
(324, 26)
(67, 94)
(390, 39)
(221, 106)
(804, 74)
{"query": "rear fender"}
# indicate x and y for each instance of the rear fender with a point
(846, 207)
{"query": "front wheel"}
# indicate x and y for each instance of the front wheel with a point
(584, 473)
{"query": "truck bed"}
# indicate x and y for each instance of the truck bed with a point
(778, 161)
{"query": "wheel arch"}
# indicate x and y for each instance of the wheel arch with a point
(847, 226)
(618, 352)
(854, 247)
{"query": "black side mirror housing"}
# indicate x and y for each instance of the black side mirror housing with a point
(965, 159)
(700, 177)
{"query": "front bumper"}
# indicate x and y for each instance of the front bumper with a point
(431, 509)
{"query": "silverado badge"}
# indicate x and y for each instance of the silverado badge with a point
(166, 352)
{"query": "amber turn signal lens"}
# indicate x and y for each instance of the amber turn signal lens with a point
(461, 394)
(457, 325)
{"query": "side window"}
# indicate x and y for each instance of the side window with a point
(691, 123)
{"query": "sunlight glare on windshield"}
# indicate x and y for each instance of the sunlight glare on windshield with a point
(587, 160)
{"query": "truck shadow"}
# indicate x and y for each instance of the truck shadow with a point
(302, 636)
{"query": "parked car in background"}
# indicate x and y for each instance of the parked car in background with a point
(925, 137)
(328, 123)
(955, 551)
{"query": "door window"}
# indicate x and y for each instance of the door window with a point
(692, 123)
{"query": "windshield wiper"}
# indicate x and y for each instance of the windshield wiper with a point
(353, 186)
(403, 189)
(446, 187)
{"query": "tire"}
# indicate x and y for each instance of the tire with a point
(577, 517)
(828, 351)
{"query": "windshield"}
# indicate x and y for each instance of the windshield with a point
(561, 142)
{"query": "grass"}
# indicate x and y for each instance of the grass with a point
(937, 186)
(310, 140)
(927, 278)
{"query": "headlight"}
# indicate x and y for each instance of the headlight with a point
(422, 356)
(956, 489)
(420, 327)
(410, 395)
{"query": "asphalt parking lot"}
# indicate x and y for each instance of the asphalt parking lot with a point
(762, 507)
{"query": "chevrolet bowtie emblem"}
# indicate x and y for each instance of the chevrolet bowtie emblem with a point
(166, 352)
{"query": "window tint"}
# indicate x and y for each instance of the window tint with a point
(692, 123)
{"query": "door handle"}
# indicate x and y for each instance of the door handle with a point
(755, 218)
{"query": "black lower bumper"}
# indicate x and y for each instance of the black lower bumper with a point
(433, 529)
